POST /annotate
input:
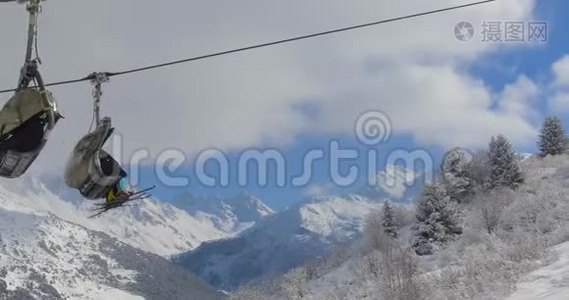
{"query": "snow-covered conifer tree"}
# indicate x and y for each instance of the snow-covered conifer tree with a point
(388, 222)
(456, 172)
(552, 139)
(504, 169)
(439, 219)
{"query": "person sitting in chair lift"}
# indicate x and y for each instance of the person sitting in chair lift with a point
(118, 192)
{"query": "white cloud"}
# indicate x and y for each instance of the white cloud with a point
(437, 104)
(559, 102)
(395, 179)
(561, 71)
(520, 97)
(315, 191)
(410, 69)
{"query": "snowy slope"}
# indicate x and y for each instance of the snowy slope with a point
(549, 282)
(45, 257)
(153, 226)
(280, 242)
(546, 186)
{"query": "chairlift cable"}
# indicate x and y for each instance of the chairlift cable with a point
(263, 45)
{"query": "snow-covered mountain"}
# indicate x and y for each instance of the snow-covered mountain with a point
(280, 242)
(227, 214)
(45, 257)
(153, 226)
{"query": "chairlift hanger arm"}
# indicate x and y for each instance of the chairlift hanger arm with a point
(34, 9)
(29, 71)
(97, 79)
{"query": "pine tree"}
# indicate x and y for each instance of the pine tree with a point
(388, 222)
(439, 220)
(552, 139)
(456, 172)
(479, 171)
(504, 169)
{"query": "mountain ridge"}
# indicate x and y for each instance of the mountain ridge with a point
(45, 257)
(155, 226)
(307, 230)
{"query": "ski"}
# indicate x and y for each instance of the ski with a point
(102, 208)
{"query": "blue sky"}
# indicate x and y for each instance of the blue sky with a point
(536, 61)
(496, 69)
